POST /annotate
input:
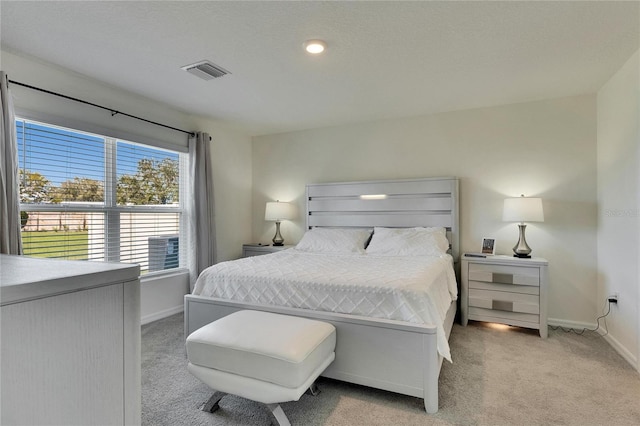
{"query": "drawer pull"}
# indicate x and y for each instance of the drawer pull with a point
(501, 305)
(502, 278)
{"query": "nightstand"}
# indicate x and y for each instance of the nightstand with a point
(505, 289)
(249, 250)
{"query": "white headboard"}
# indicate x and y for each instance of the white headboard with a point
(389, 203)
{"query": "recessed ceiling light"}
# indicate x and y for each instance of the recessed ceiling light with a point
(315, 46)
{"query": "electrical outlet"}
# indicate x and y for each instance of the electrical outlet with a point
(613, 298)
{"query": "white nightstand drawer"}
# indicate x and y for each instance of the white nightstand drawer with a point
(504, 301)
(515, 318)
(504, 274)
(525, 289)
(249, 250)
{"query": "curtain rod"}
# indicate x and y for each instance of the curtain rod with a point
(111, 110)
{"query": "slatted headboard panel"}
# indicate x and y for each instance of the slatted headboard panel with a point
(389, 203)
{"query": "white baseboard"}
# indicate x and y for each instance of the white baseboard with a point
(569, 324)
(162, 314)
(624, 352)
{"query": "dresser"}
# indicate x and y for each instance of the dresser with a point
(249, 250)
(506, 290)
(70, 352)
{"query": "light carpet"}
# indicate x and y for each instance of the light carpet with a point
(499, 376)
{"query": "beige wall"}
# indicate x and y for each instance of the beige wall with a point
(545, 149)
(619, 205)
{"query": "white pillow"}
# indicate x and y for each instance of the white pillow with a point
(408, 241)
(333, 240)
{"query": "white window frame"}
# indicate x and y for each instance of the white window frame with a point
(110, 209)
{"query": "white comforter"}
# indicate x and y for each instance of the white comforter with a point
(417, 289)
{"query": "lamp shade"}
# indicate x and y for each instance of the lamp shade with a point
(277, 211)
(523, 209)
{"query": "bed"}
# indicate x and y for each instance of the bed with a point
(402, 352)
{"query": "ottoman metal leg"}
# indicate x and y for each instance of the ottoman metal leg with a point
(279, 415)
(212, 404)
(314, 389)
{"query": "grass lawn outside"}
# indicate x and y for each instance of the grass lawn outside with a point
(60, 244)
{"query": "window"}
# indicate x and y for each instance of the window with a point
(91, 197)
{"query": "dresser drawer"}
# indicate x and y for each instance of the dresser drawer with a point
(504, 274)
(504, 301)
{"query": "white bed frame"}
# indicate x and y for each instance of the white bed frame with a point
(391, 355)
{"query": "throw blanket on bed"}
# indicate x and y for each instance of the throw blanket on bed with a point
(416, 289)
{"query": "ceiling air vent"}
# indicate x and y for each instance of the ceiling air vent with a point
(205, 70)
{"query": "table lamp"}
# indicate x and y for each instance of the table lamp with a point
(277, 211)
(522, 209)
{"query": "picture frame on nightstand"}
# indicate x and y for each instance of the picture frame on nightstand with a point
(488, 246)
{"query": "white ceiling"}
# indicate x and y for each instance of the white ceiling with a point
(384, 59)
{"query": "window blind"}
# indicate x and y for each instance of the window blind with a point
(91, 197)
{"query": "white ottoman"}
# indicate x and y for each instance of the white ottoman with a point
(265, 357)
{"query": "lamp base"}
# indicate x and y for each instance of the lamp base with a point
(281, 244)
(277, 239)
(522, 249)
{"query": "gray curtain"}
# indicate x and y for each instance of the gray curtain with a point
(202, 235)
(10, 240)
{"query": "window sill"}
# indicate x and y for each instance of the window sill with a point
(149, 276)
